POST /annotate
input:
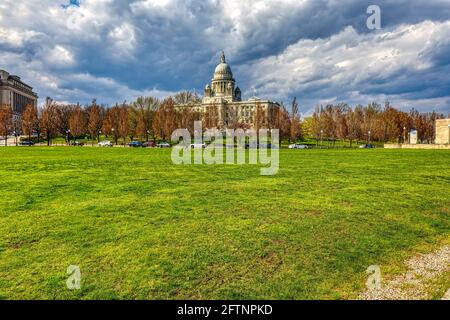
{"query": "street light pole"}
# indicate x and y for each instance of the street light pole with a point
(114, 134)
(68, 137)
(404, 135)
(321, 138)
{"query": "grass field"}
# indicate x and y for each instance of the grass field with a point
(142, 228)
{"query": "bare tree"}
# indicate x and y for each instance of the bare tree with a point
(65, 112)
(259, 117)
(29, 120)
(295, 125)
(341, 121)
(111, 122)
(186, 118)
(280, 120)
(6, 121)
(49, 121)
(211, 117)
(186, 97)
(77, 122)
(144, 110)
(316, 124)
(95, 120)
(233, 119)
(123, 128)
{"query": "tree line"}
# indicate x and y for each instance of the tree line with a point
(370, 123)
(151, 118)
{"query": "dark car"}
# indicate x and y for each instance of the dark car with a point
(78, 144)
(27, 143)
(260, 146)
(135, 144)
(367, 146)
(252, 145)
(149, 144)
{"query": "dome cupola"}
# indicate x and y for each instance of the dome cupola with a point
(223, 70)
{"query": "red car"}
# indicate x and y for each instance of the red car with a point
(149, 144)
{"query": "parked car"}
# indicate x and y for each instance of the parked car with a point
(197, 145)
(163, 145)
(135, 144)
(78, 143)
(297, 146)
(251, 146)
(27, 143)
(105, 143)
(267, 146)
(149, 144)
(366, 146)
(260, 146)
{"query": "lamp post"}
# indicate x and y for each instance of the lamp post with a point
(114, 134)
(321, 138)
(15, 137)
(68, 137)
(369, 136)
(404, 134)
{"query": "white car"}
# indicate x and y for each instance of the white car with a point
(163, 145)
(105, 143)
(298, 146)
(197, 145)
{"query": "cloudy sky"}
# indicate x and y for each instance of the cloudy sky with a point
(317, 50)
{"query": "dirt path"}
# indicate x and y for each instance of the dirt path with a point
(417, 282)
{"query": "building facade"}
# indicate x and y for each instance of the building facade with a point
(15, 93)
(223, 94)
(442, 131)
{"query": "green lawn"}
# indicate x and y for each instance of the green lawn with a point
(142, 228)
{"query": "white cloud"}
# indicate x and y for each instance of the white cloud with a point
(124, 39)
(349, 62)
(60, 56)
(16, 38)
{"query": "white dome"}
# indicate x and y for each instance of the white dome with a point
(223, 70)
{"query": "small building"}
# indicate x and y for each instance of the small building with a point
(15, 93)
(442, 131)
(413, 136)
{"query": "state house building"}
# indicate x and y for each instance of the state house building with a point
(224, 94)
(15, 93)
